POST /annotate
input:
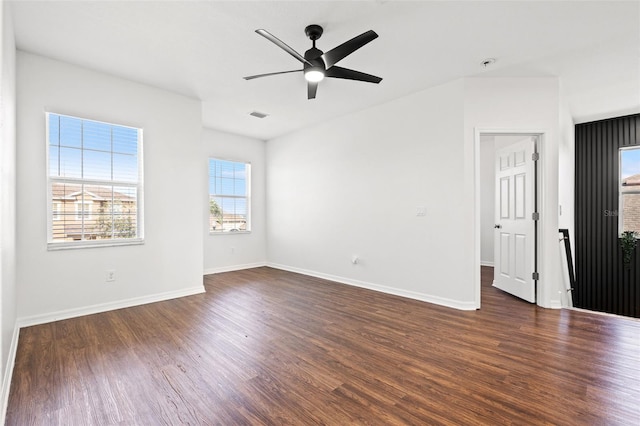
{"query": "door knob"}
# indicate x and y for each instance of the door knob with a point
(497, 226)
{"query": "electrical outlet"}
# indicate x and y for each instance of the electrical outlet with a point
(111, 275)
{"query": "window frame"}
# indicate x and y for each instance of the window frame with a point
(246, 197)
(620, 186)
(53, 213)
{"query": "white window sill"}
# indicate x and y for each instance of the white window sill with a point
(71, 245)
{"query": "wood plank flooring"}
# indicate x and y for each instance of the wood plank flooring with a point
(268, 347)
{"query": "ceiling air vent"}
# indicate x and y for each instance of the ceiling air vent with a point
(258, 114)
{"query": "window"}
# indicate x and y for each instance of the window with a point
(229, 196)
(83, 208)
(57, 211)
(629, 216)
(94, 183)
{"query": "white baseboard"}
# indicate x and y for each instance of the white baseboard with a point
(104, 307)
(485, 263)
(456, 304)
(555, 304)
(232, 268)
(607, 314)
(8, 373)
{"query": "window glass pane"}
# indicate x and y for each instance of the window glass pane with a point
(630, 189)
(631, 212)
(125, 167)
(54, 169)
(239, 187)
(630, 170)
(84, 208)
(125, 140)
(117, 214)
(226, 187)
(70, 132)
(70, 162)
(96, 136)
(228, 194)
(96, 155)
(241, 207)
(96, 165)
(225, 168)
(54, 130)
(630, 164)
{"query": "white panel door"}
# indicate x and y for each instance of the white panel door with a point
(514, 229)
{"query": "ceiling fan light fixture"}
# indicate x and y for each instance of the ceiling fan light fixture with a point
(314, 74)
(318, 64)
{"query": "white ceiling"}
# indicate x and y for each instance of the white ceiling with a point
(203, 49)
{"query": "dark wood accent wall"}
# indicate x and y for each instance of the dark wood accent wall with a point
(602, 282)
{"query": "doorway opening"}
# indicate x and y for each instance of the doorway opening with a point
(507, 204)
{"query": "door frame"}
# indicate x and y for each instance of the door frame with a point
(540, 191)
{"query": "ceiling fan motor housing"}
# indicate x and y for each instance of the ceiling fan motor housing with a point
(314, 56)
(314, 32)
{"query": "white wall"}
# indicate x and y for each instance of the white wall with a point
(520, 104)
(487, 202)
(352, 186)
(61, 283)
(231, 251)
(566, 189)
(7, 199)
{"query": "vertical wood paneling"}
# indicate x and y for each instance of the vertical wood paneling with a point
(602, 283)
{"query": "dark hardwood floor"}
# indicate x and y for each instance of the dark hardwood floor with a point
(264, 346)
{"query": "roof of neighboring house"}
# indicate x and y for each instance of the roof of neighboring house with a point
(632, 180)
(72, 191)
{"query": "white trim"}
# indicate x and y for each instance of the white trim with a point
(228, 232)
(485, 263)
(8, 373)
(555, 304)
(232, 268)
(110, 306)
(70, 245)
(450, 303)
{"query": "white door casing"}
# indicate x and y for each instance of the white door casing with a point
(514, 232)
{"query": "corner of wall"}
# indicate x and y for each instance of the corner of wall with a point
(8, 329)
(8, 375)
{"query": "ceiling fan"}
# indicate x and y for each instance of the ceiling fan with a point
(317, 64)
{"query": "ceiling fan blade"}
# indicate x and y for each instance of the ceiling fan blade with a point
(282, 45)
(339, 72)
(251, 77)
(312, 88)
(348, 47)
